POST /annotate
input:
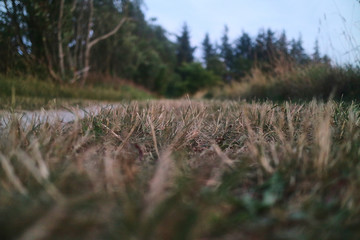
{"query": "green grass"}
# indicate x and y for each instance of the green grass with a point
(31, 93)
(185, 170)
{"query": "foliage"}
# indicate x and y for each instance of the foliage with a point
(226, 50)
(212, 58)
(83, 39)
(192, 78)
(184, 51)
(184, 170)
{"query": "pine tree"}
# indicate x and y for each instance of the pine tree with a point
(297, 52)
(208, 50)
(243, 54)
(212, 58)
(226, 50)
(270, 45)
(184, 50)
(260, 46)
(316, 55)
(244, 47)
(282, 46)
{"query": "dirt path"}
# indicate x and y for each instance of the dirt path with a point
(50, 116)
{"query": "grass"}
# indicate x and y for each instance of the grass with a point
(31, 93)
(317, 81)
(184, 170)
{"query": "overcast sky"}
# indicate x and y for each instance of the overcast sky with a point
(332, 22)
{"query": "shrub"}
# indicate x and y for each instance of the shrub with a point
(191, 78)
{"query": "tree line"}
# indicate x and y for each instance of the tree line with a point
(77, 42)
(266, 51)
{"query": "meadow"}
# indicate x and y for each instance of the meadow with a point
(288, 82)
(32, 93)
(182, 169)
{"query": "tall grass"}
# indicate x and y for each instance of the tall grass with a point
(317, 81)
(31, 92)
(184, 170)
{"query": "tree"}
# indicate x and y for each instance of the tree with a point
(60, 34)
(244, 47)
(316, 55)
(270, 44)
(282, 46)
(184, 50)
(297, 52)
(193, 78)
(243, 54)
(260, 47)
(226, 50)
(212, 58)
(208, 50)
(92, 41)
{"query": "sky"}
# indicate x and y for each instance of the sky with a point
(335, 23)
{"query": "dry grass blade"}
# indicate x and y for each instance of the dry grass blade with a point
(225, 160)
(184, 170)
(159, 182)
(43, 228)
(112, 132)
(118, 150)
(153, 135)
(30, 165)
(44, 171)
(9, 170)
(323, 140)
(113, 177)
(217, 172)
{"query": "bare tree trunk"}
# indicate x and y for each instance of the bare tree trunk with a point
(76, 59)
(87, 48)
(59, 31)
(49, 62)
(90, 44)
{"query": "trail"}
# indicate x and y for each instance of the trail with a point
(51, 116)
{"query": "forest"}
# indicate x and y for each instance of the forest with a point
(104, 42)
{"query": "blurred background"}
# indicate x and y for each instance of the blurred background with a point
(133, 49)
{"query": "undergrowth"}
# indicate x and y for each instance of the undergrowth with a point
(184, 170)
(30, 92)
(319, 81)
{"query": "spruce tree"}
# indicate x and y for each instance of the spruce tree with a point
(243, 54)
(316, 55)
(212, 58)
(226, 50)
(297, 52)
(184, 50)
(270, 45)
(282, 46)
(244, 47)
(260, 46)
(208, 50)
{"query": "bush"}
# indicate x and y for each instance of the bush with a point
(191, 78)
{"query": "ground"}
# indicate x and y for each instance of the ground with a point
(184, 170)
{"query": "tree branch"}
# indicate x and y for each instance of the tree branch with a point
(109, 34)
(49, 62)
